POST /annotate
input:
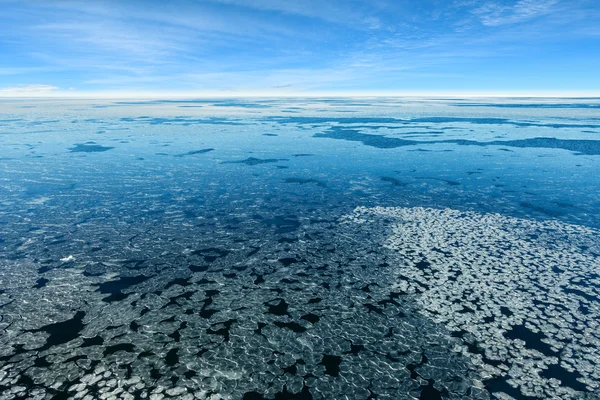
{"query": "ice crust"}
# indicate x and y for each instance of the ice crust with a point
(246, 315)
(522, 294)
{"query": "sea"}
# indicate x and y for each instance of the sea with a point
(300, 248)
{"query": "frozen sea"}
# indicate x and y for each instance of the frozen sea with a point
(364, 248)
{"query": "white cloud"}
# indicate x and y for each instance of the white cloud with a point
(357, 14)
(493, 14)
(28, 90)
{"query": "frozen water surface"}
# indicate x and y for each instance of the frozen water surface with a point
(300, 249)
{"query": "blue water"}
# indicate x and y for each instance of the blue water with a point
(198, 248)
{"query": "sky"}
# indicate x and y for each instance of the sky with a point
(299, 47)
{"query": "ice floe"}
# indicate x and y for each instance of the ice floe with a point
(522, 294)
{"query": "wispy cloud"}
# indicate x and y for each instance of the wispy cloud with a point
(300, 45)
(495, 14)
(358, 14)
(28, 90)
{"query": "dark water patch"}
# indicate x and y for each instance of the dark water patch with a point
(412, 368)
(42, 362)
(287, 261)
(253, 396)
(500, 385)
(189, 374)
(198, 268)
(115, 288)
(242, 105)
(280, 309)
(293, 326)
(381, 142)
(312, 318)
(393, 181)
(579, 147)
(223, 329)
(283, 224)
(283, 395)
(127, 347)
(207, 313)
(191, 153)
(533, 340)
(303, 181)
(11, 120)
(256, 161)
(544, 210)
(89, 148)
(563, 204)
(321, 221)
(173, 300)
(41, 283)
(60, 395)
(424, 133)
(566, 377)
(145, 354)
(211, 254)
(428, 392)
(178, 281)
(62, 332)
(253, 251)
(259, 279)
(373, 308)
(424, 120)
(292, 369)
(182, 121)
(172, 358)
(446, 181)
(328, 120)
(355, 349)
(582, 294)
(148, 102)
(332, 364)
(506, 311)
(287, 240)
(155, 374)
(270, 134)
(528, 105)
(303, 155)
(95, 341)
(497, 121)
(134, 263)
(260, 327)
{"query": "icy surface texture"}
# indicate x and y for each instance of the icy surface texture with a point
(179, 249)
(310, 315)
(522, 295)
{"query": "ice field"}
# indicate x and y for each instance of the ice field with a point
(364, 248)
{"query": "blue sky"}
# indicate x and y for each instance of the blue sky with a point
(171, 47)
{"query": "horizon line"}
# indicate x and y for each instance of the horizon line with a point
(221, 95)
